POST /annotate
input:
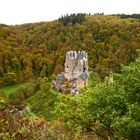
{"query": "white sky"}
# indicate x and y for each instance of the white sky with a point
(26, 11)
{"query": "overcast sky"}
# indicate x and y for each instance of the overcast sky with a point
(26, 11)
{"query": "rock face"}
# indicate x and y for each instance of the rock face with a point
(75, 75)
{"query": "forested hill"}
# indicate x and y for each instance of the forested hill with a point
(36, 50)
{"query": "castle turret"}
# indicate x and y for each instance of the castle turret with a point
(75, 64)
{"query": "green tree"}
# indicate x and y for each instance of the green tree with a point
(109, 109)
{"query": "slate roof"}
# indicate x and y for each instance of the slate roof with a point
(61, 76)
(83, 76)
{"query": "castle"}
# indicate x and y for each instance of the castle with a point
(75, 75)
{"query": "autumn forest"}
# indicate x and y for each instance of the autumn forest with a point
(34, 54)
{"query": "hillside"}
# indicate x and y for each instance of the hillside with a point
(101, 111)
(37, 50)
(32, 54)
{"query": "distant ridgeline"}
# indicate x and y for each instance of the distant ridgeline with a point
(129, 16)
(75, 75)
(73, 18)
(80, 17)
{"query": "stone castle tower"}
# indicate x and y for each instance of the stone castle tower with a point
(75, 75)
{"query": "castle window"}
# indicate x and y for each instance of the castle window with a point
(84, 69)
(66, 70)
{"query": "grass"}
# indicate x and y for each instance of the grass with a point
(43, 105)
(7, 90)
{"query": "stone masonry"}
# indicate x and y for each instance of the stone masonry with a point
(75, 75)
